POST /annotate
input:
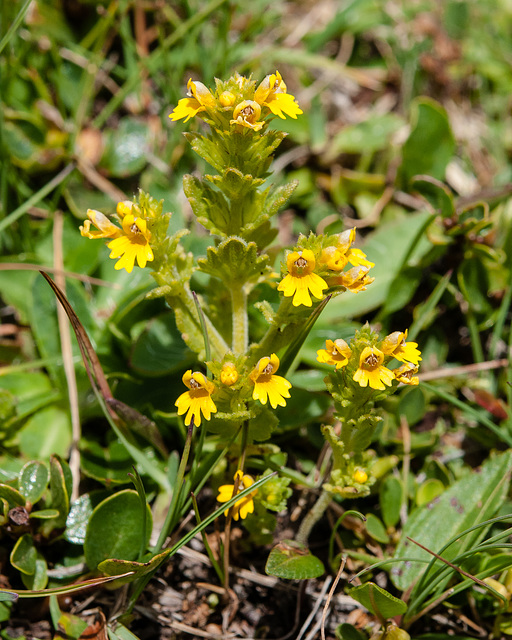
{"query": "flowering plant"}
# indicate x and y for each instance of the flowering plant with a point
(244, 379)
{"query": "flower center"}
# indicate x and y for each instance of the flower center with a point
(194, 384)
(247, 112)
(301, 263)
(372, 361)
(268, 369)
(134, 228)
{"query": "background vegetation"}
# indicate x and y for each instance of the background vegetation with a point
(406, 135)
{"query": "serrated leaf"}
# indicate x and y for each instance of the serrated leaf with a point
(378, 601)
(33, 481)
(293, 561)
(234, 260)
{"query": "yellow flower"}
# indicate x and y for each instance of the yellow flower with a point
(371, 370)
(199, 99)
(106, 229)
(406, 373)
(271, 93)
(300, 279)
(336, 257)
(337, 353)
(267, 385)
(360, 476)
(246, 113)
(198, 399)
(229, 374)
(227, 99)
(132, 245)
(355, 279)
(396, 346)
(243, 507)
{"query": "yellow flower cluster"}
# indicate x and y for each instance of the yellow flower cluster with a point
(371, 369)
(266, 387)
(248, 108)
(129, 243)
(301, 281)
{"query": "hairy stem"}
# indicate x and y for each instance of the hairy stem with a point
(240, 320)
(312, 517)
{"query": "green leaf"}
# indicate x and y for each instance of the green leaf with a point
(234, 260)
(412, 405)
(293, 561)
(430, 145)
(47, 432)
(389, 247)
(12, 496)
(365, 137)
(428, 491)
(115, 529)
(378, 601)
(437, 194)
(44, 514)
(474, 498)
(390, 500)
(346, 631)
(33, 481)
(39, 578)
(121, 633)
(109, 465)
(160, 349)
(127, 148)
(24, 555)
(79, 514)
(376, 529)
(113, 567)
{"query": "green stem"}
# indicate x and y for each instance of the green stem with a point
(240, 320)
(313, 516)
(176, 491)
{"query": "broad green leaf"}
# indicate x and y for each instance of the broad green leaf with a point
(109, 465)
(437, 193)
(428, 491)
(126, 148)
(346, 631)
(60, 490)
(430, 145)
(79, 514)
(390, 495)
(376, 529)
(115, 529)
(293, 561)
(160, 349)
(364, 137)
(412, 405)
(47, 432)
(24, 555)
(12, 496)
(44, 514)
(31, 390)
(33, 481)
(474, 498)
(378, 601)
(39, 578)
(388, 248)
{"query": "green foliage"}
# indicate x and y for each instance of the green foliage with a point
(293, 561)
